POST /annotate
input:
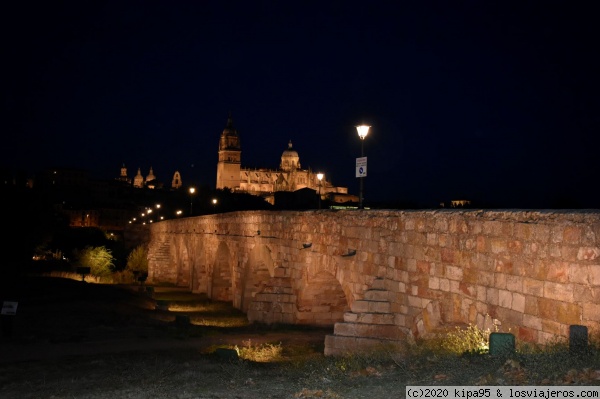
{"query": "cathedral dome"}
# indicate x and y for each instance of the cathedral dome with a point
(290, 158)
(290, 152)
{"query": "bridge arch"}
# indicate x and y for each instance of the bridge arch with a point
(321, 300)
(181, 258)
(256, 272)
(221, 278)
(199, 269)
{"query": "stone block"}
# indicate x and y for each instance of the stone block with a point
(518, 302)
(360, 306)
(554, 328)
(423, 267)
(279, 272)
(339, 346)
(509, 318)
(532, 322)
(455, 287)
(379, 283)
(572, 234)
(379, 307)
(578, 273)
(437, 269)
(492, 296)
(415, 301)
(377, 295)
(515, 246)
(522, 231)
(533, 287)
(481, 293)
(485, 278)
(584, 294)
(568, 313)
(444, 285)
(559, 292)
(547, 308)
(376, 318)
(288, 307)
(304, 316)
(467, 289)
(400, 320)
(538, 269)
(595, 275)
(447, 255)
(500, 281)
(482, 244)
(434, 283)
(557, 272)
(499, 245)
(350, 317)
(588, 253)
(454, 273)
(541, 232)
(591, 311)
(514, 283)
(505, 299)
(527, 334)
(446, 240)
(345, 329)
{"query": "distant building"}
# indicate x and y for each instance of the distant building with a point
(176, 182)
(457, 204)
(123, 177)
(150, 181)
(289, 177)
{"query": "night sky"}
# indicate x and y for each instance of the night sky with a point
(492, 101)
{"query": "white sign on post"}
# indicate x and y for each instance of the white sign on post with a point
(9, 308)
(361, 167)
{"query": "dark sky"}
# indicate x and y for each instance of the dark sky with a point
(493, 101)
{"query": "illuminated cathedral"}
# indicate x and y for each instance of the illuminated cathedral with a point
(265, 182)
(150, 181)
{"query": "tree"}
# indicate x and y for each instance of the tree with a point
(98, 259)
(137, 261)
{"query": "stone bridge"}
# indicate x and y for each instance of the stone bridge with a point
(384, 276)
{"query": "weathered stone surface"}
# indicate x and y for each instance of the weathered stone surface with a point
(379, 275)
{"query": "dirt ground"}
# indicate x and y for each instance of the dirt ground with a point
(71, 339)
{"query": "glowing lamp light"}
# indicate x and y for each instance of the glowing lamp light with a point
(363, 130)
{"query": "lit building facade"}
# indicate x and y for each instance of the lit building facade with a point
(265, 182)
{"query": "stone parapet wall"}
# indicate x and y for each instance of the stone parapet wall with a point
(399, 274)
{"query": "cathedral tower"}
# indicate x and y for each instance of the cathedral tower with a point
(138, 180)
(230, 155)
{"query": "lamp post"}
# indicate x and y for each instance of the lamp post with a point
(158, 212)
(320, 177)
(214, 202)
(192, 191)
(363, 130)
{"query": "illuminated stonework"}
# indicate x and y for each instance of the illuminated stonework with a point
(265, 182)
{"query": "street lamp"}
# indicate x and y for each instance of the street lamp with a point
(319, 177)
(363, 130)
(214, 202)
(158, 212)
(192, 191)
